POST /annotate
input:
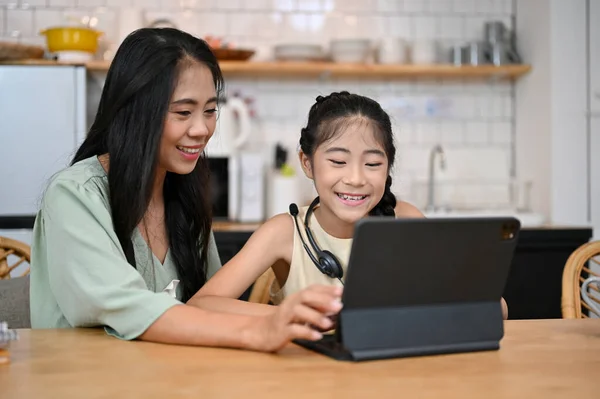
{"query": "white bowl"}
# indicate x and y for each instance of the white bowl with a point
(350, 50)
(298, 52)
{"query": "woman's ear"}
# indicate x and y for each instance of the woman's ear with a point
(306, 164)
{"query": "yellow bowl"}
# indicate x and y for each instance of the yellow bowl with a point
(71, 39)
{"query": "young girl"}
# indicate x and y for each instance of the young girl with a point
(123, 238)
(347, 149)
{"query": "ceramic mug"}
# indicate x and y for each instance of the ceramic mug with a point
(392, 50)
(586, 297)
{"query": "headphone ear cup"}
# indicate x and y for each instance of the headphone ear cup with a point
(330, 265)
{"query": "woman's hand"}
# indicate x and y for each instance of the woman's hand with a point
(299, 316)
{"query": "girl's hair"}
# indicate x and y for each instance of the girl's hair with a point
(128, 127)
(330, 115)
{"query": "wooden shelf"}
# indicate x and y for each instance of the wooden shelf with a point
(330, 69)
(326, 69)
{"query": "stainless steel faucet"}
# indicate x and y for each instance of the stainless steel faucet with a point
(436, 150)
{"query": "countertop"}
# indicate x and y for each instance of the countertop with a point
(235, 226)
(230, 226)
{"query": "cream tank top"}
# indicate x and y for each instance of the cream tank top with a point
(303, 272)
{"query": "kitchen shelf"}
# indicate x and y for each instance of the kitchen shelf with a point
(292, 69)
(327, 69)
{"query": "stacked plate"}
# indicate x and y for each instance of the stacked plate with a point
(299, 52)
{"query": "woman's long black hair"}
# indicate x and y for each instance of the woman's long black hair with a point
(128, 127)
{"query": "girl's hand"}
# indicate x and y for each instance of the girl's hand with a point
(299, 316)
(504, 309)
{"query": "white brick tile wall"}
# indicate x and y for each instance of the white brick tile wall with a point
(121, 3)
(452, 132)
(19, 22)
(285, 5)
(44, 18)
(157, 4)
(501, 132)
(261, 5)
(33, 3)
(231, 5)
(440, 6)
(452, 26)
(401, 26)
(404, 132)
(87, 3)
(426, 27)
(485, 6)
(464, 6)
(387, 6)
(415, 6)
(351, 6)
(473, 121)
(476, 133)
(62, 3)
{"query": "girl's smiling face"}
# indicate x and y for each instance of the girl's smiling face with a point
(349, 172)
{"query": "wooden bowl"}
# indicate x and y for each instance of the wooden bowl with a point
(227, 54)
(16, 51)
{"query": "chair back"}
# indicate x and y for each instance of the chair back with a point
(260, 289)
(12, 254)
(576, 271)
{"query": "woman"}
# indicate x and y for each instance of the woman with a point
(123, 237)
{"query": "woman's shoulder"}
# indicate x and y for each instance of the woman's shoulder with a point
(406, 210)
(85, 179)
(80, 172)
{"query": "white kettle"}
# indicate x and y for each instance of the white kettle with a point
(233, 128)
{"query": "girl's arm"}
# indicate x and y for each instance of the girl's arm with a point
(272, 241)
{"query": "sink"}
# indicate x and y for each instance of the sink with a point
(527, 219)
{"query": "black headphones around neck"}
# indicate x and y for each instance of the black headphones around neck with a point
(325, 261)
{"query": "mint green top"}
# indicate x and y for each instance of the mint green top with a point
(79, 274)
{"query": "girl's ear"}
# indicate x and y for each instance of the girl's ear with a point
(306, 165)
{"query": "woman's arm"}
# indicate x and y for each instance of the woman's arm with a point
(94, 285)
(271, 242)
(190, 325)
(223, 304)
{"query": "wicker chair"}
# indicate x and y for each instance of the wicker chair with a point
(575, 272)
(260, 290)
(14, 292)
(10, 249)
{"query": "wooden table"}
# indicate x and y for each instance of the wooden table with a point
(537, 358)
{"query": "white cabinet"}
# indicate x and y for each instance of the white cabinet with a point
(42, 121)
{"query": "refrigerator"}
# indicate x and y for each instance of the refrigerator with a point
(42, 123)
